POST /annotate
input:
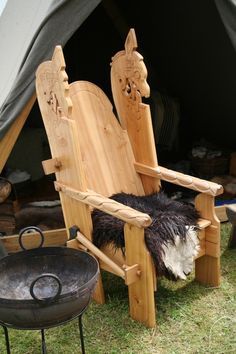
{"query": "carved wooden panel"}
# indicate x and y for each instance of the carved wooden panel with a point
(129, 85)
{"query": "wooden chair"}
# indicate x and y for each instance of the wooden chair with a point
(94, 155)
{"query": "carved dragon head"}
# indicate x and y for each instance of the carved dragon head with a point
(130, 70)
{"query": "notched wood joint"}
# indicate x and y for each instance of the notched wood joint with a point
(132, 273)
(51, 166)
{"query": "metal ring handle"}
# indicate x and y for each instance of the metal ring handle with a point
(49, 299)
(37, 229)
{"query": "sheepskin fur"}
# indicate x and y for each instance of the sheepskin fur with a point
(171, 238)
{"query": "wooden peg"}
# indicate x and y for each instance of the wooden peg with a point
(51, 166)
(132, 273)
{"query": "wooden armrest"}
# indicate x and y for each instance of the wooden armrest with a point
(109, 206)
(180, 179)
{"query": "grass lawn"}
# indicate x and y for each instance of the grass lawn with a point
(191, 319)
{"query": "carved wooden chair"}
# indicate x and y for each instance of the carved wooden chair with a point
(94, 155)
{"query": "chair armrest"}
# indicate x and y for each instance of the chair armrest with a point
(109, 206)
(180, 179)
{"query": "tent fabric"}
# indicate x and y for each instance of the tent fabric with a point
(64, 17)
(16, 33)
(227, 11)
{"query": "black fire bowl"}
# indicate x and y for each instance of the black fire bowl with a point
(45, 287)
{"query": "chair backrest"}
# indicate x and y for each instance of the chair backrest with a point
(106, 153)
(95, 150)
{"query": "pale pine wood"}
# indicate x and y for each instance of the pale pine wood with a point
(203, 223)
(202, 251)
(56, 107)
(202, 243)
(107, 205)
(51, 166)
(105, 147)
(132, 274)
(51, 238)
(97, 252)
(76, 245)
(207, 267)
(107, 141)
(99, 157)
(180, 179)
(129, 85)
(221, 213)
(8, 141)
(201, 235)
(115, 254)
(141, 298)
(129, 273)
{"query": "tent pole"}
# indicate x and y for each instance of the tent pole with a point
(8, 141)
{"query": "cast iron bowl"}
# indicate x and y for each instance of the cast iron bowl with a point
(44, 287)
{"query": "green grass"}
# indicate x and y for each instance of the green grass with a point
(191, 319)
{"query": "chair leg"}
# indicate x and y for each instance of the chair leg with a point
(207, 271)
(207, 267)
(141, 293)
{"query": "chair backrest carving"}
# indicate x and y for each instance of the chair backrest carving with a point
(56, 107)
(129, 85)
(84, 134)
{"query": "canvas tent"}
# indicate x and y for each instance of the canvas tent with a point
(35, 28)
(193, 57)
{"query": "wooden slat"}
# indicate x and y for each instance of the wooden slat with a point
(207, 267)
(105, 147)
(203, 223)
(51, 166)
(98, 253)
(109, 206)
(180, 179)
(201, 253)
(201, 234)
(212, 234)
(52, 238)
(221, 213)
(141, 293)
(212, 249)
(63, 134)
(115, 254)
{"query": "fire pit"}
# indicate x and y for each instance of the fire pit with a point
(45, 287)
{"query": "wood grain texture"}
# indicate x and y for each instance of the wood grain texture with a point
(56, 108)
(107, 205)
(95, 156)
(207, 267)
(180, 179)
(98, 253)
(105, 148)
(129, 85)
(141, 293)
(52, 238)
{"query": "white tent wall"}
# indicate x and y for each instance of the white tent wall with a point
(18, 24)
(227, 11)
(60, 22)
